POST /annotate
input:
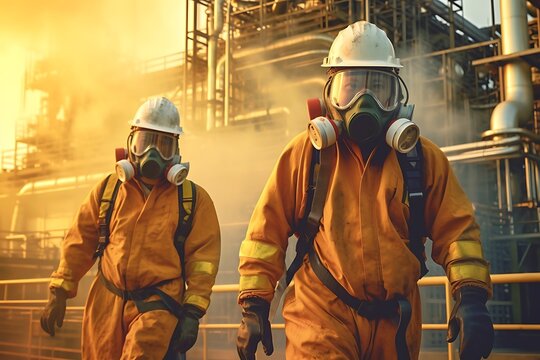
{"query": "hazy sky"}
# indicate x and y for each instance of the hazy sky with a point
(154, 29)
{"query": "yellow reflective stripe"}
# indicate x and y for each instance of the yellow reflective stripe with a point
(463, 271)
(254, 282)
(62, 283)
(465, 249)
(201, 267)
(187, 198)
(260, 250)
(64, 270)
(105, 201)
(197, 300)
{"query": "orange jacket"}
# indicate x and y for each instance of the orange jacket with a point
(141, 251)
(362, 239)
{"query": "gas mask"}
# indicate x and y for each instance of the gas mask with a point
(151, 155)
(365, 105)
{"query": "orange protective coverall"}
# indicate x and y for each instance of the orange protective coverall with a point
(362, 241)
(141, 253)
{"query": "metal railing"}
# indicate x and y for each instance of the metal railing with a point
(31, 307)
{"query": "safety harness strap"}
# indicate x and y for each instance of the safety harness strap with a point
(320, 171)
(186, 199)
(412, 167)
(186, 203)
(371, 310)
(138, 296)
(106, 206)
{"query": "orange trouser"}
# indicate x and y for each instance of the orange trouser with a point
(320, 326)
(112, 330)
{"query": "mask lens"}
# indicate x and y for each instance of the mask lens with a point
(348, 84)
(144, 140)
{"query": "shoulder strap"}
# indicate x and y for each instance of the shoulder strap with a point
(106, 206)
(412, 167)
(187, 194)
(319, 177)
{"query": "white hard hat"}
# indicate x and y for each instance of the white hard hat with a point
(361, 44)
(158, 113)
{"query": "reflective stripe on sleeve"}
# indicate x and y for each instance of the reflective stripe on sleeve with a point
(62, 283)
(465, 249)
(261, 251)
(468, 270)
(254, 282)
(197, 300)
(201, 267)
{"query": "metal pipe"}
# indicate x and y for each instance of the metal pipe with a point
(508, 187)
(217, 24)
(262, 113)
(517, 107)
(479, 145)
(227, 57)
(224, 84)
(528, 176)
(51, 185)
(499, 185)
(366, 9)
(448, 306)
(278, 45)
(283, 58)
(513, 131)
(487, 154)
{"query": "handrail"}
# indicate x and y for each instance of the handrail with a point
(227, 288)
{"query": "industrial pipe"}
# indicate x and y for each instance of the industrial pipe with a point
(212, 54)
(222, 84)
(517, 107)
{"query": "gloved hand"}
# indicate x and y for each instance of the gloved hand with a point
(188, 328)
(54, 310)
(255, 327)
(470, 319)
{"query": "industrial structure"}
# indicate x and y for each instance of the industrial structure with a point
(241, 85)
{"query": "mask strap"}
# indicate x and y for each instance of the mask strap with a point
(406, 89)
(327, 104)
(129, 140)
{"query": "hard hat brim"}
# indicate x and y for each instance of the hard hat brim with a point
(362, 63)
(164, 129)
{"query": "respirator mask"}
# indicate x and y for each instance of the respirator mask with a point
(364, 104)
(151, 155)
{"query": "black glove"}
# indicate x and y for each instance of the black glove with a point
(188, 328)
(54, 310)
(254, 327)
(470, 319)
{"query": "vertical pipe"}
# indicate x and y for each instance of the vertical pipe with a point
(500, 193)
(205, 341)
(403, 23)
(452, 24)
(216, 25)
(194, 62)
(227, 85)
(415, 29)
(185, 86)
(366, 10)
(517, 107)
(509, 203)
(394, 22)
(492, 19)
(528, 173)
(449, 303)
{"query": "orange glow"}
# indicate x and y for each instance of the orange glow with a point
(86, 41)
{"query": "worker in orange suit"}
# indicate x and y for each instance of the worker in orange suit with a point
(156, 271)
(355, 293)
